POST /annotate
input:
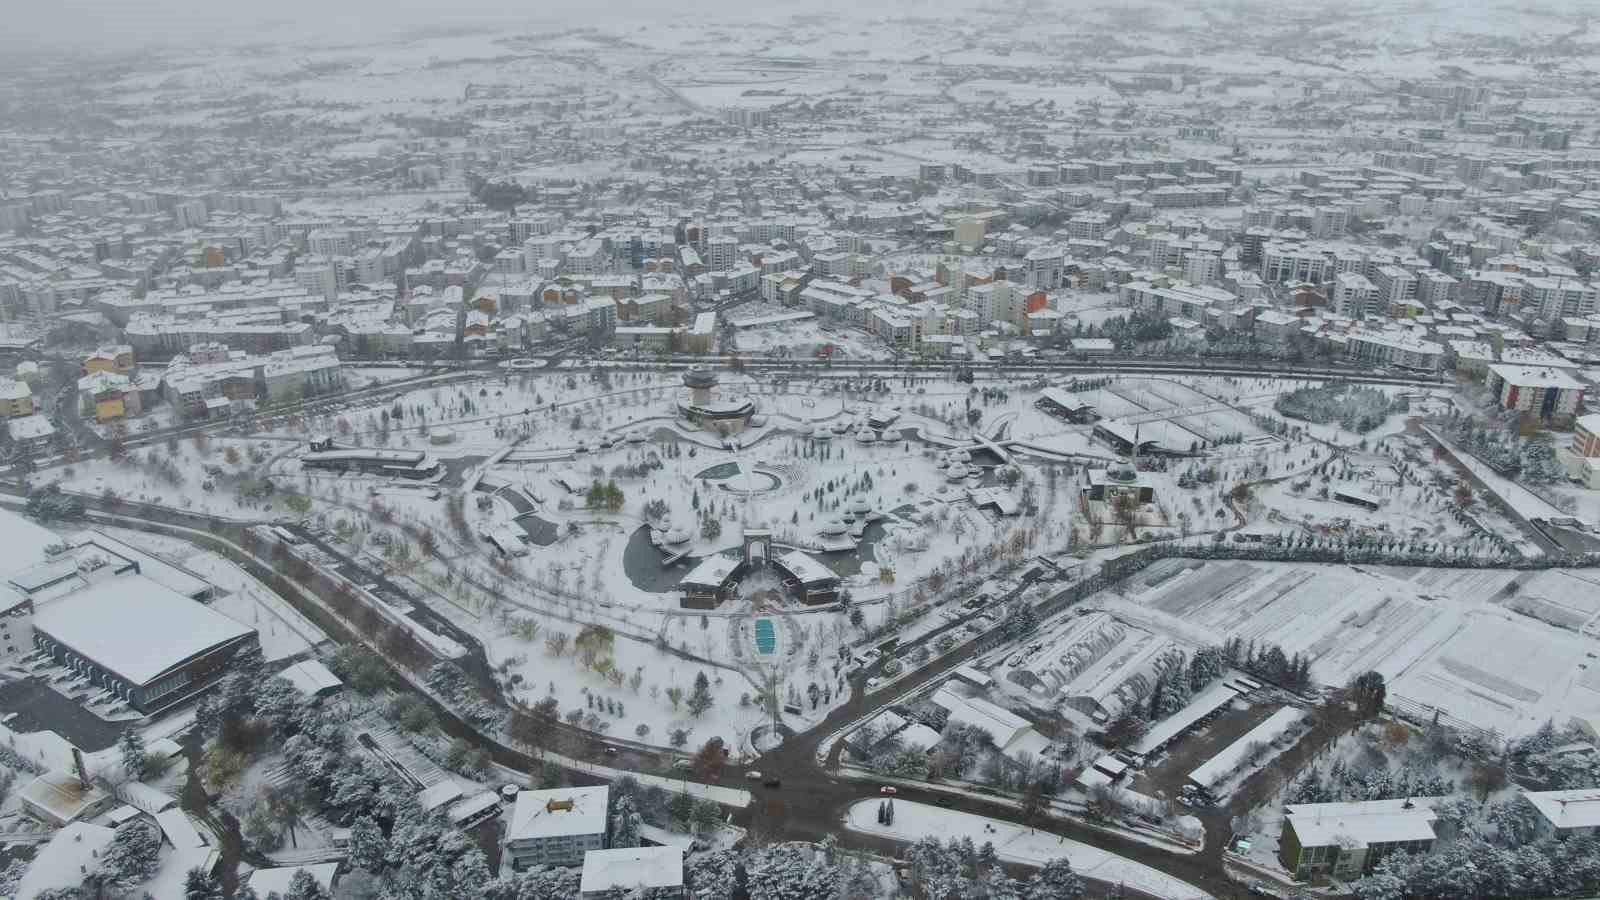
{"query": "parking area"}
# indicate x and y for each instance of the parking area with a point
(38, 706)
(1169, 774)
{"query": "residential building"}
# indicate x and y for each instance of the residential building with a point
(1566, 814)
(1346, 840)
(1545, 393)
(1586, 436)
(554, 827)
(654, 872)
(16, 398)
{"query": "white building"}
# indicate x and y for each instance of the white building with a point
(1567, 814)
(554, 827)
(658, 870)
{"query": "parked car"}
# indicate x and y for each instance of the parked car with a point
(886, 789)
(753, 775)
(943, 801)
(772, 782)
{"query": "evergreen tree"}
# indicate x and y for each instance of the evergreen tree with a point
(368, 847)
(700, 698)
(199, 885)
(130, 746)
(625, 822)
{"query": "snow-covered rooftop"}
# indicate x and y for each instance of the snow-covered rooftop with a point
(1362, 822)
(555, 813)
(629, 868)
(135, 627)
(276, 880)
(1578, 808)
(62, 863)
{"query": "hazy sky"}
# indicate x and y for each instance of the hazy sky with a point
(55, 25)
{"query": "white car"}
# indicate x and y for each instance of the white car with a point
(753, 775)
(888, 790)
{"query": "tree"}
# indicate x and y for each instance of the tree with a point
(710, 527)
(130, 747)
(1126, 729)
(700, 698)
(625, 822)
(199, 885)
(1368, 692)
(708, 760)
(304, 886)
(1056, 881)
(368, 847)
(675, 696)
(131, 857)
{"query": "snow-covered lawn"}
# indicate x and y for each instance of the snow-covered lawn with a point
(1019, 844)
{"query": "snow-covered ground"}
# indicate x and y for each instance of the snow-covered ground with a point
(1017, 843)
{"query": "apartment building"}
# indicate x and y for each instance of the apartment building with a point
(1354, 295)
(554, 827)
(1547, 393)
(1346, 840)
(1389, 349)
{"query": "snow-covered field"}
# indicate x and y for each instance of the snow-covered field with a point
(1017, 843)
(1449, 638)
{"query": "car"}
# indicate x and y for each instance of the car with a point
(680, 764)
(753, 775)
(611, 751)
(874, 682)
(886, 789)
(943, 801)
(772, 782)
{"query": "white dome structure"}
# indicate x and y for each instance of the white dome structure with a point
(960, 456)
(832, 527)
(822, 434)
(860, 506)
(866, 436)
(840, 427)
(635, 436)
(957, 471)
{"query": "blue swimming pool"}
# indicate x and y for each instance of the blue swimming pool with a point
(766, 637)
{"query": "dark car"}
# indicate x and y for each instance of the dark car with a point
(773, 782)
(943, 801)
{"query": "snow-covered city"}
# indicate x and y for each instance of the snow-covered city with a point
(1027, 451)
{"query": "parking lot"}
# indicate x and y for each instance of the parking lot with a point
(1168, 776)
(39, 707)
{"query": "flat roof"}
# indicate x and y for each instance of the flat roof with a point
(1231, 757)
(805, 568)
(1362, 823)
(1578, 808)
(277, 879)
(1212, 698)
(61, 863)
(311, 677)
(1536, 377)
(437, 795)
(24, 541)
(710, 571)
(558, 813)
(135, 627)
(1002, 724)
(629, 868)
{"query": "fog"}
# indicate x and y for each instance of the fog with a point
(121, 25)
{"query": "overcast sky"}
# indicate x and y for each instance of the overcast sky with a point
(56, 25)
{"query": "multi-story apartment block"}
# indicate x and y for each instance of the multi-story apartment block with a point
(1401, 351)
(1548, 394)
(1354, 295)
(554, 827)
